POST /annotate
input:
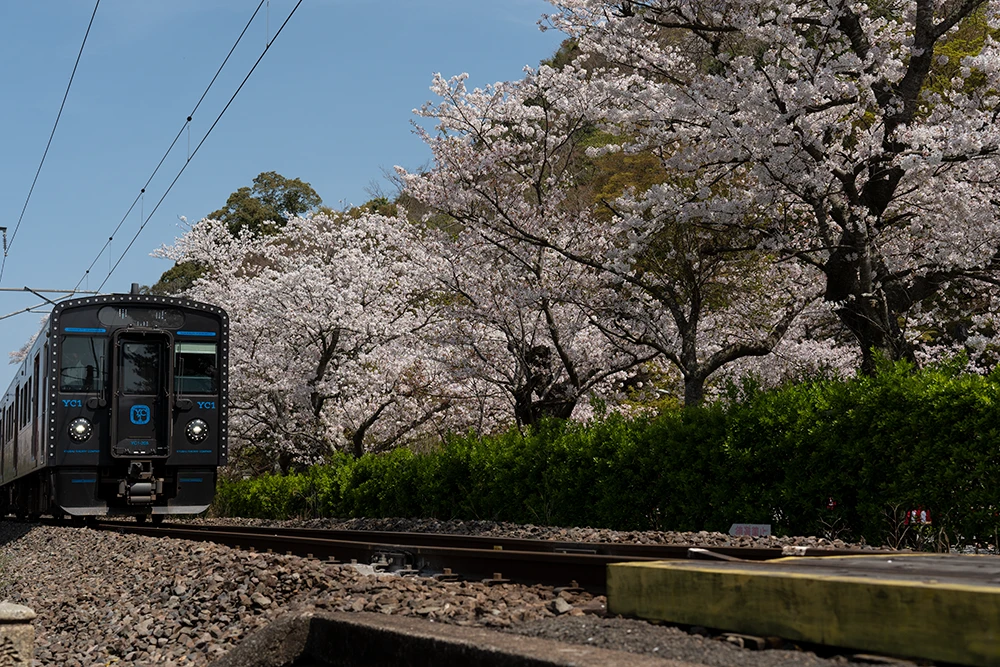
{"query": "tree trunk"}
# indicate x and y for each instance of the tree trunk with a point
(877, 331)
(285, 462)
(529, 411)
(694, 390)
(855, 280)
(358, 444)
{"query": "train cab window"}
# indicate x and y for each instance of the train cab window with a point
(195, 369)
(82, 367)
(140, 368)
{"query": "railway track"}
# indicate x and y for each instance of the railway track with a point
(449, 556)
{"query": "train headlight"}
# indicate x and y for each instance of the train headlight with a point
(196, 431)
(80, 429)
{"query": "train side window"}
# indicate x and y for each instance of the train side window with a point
(195, 369)
(26, 404)
(82, 364)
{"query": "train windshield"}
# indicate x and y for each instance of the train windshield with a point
(83, 364)
(140, 368)
(195, 370)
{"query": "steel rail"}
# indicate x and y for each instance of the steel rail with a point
(647, 551)
(488, 558)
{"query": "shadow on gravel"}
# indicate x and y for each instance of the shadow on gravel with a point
(11, 531)
(356, 639)
(672, 643)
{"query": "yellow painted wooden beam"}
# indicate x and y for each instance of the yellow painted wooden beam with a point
(945, 621)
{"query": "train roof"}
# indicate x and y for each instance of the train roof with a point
(139, 299)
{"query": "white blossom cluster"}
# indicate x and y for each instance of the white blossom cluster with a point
(860, 138)
(327, 322)
(820, 186)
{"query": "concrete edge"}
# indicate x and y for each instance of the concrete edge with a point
(916, 619)
(276, 645)
(343, 639)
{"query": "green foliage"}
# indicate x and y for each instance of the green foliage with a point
(898, 439)
(178, 279)
(828, 457)
(567, 52)
(966, 39)
(315, 492)
(273, 198)
(378, 205)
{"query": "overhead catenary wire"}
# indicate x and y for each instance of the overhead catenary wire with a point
(186, 126)
(200, 143)
(62, 105)
(39, 292)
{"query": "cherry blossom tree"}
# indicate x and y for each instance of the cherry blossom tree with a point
(510, 164)
(859, 138)
(816, 345)
(514, 323)
(327, 317)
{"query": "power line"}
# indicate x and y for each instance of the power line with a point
(39, 293)
(200, 143)
(69, 85)
(186, 125)
(47, 291)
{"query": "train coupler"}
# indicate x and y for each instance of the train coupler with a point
(140, 487)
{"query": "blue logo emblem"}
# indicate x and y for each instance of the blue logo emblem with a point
(139, 414)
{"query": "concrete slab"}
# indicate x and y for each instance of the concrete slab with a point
(932, 606)
(354, 639)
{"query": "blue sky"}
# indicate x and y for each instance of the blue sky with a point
(331, 103)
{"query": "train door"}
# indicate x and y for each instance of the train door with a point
(17, 428)
(36, 379)
(141, 410)
(3, 444)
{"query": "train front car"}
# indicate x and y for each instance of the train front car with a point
(138, 402)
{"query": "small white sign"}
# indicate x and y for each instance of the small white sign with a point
(750, 529)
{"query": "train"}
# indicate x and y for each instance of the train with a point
(118, 408)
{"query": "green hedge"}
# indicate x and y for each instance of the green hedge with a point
(837, 458)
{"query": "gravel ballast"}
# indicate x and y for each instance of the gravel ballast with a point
(105, 598)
